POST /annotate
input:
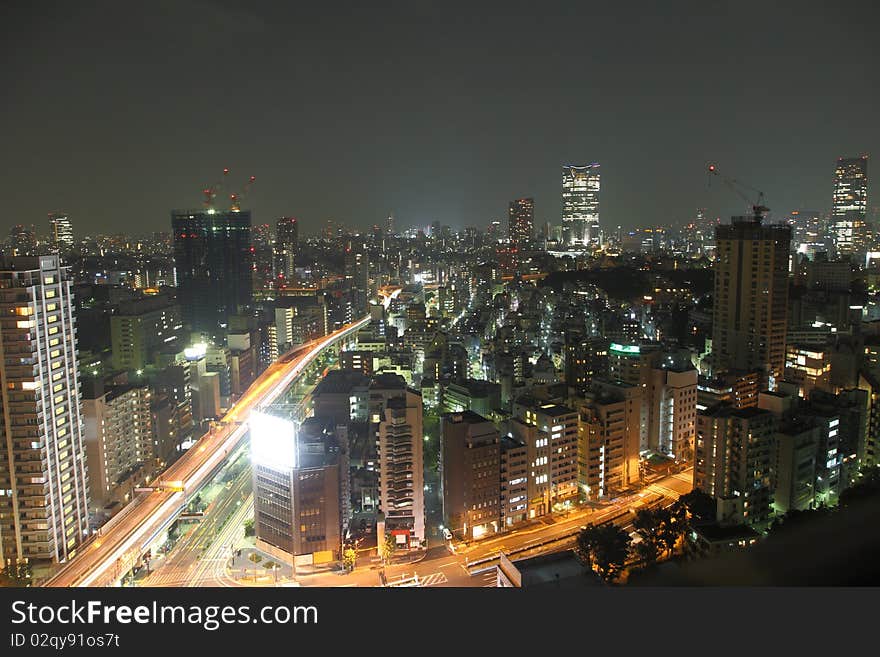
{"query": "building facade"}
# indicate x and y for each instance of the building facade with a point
(849, 205)
(470, 474)
(580, 204)
(43, 470)
(751, 297)
(212, 263)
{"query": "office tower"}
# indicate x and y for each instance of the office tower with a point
(213, 267)
(60, 232)
(751, 297)
(734, 461)
(142, 328)
(608, 439)
(580, 203)
(296, 483)
(43, 472)
(286, 240)
(117, 425)
(396, 412)
(550, 432)
(470, 469)
(521, 221)
(849, 205)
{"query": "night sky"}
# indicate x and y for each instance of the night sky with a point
(118, 112)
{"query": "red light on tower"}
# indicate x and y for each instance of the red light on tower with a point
(711, 168)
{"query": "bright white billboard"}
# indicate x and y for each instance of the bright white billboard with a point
(273, 441)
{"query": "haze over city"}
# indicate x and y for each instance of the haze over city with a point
(117, 113)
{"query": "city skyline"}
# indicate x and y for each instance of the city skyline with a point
(327, 144)
(307, 303)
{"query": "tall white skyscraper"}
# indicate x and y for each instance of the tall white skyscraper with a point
(43, 474)
(580, 203)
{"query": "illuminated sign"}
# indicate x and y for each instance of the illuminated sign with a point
(624, 348)
(273, 441)
(195, 352)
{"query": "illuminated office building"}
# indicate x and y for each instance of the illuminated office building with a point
(580, 203)
(849, 205)
(60, 232)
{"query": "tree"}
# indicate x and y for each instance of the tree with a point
(249, 527)
(700, 505)
(646, 551)
(669, 528)
(646, 523)
(349, 558)
(387, 547)
(604, 548)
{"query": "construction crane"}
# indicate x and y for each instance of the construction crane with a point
(212, 191)
(759, 210)
(235, 199)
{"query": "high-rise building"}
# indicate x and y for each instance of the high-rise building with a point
(119, 441)
(143, 327)
(849, 205)
(213, 268)
(297, 504)
(550, 432)
(470, 455)
(751, 297)
(286, 241)
(608, 439)
(734, 460)
(396, 412)
(521, 221)
(357, 281)
(673, 411)
(43, 471)
(263, 258)
(60, 232)
(580, 203)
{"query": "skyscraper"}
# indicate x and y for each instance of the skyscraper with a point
(43, 472)
(521, 219)
(849, 205)
(357, 280)
(212, 261)
(60, 232)
(286, 239)
(580, 203)
(751, 297)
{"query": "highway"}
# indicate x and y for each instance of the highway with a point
(191, 550)
(119, 544)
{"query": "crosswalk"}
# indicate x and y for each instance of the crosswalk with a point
(434, 579)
